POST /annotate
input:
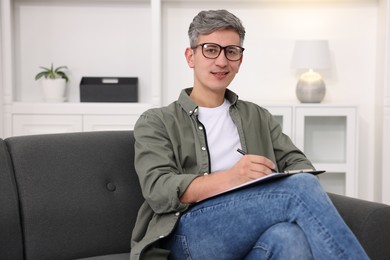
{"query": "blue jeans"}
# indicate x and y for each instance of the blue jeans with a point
(290, 218)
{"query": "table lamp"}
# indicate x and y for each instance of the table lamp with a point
(311, 55)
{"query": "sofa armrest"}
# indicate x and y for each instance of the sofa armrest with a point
(369, 221)
(11, 241)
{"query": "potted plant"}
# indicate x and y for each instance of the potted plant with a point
(53, 83)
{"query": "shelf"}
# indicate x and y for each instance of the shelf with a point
(70, 108)
(92, 38)
(81, 1)
(325, 138)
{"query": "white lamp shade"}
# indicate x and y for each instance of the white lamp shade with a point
(311, 54)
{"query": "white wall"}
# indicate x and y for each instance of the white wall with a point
(1, 95)
(266, 76)
(92, 39)
(384, 65)
(1, 78)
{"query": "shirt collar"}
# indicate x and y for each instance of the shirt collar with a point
(191, 107)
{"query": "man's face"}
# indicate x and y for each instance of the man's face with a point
(214, 74)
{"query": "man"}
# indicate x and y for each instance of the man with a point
(186, 153)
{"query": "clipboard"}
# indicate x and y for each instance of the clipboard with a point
(269, 177)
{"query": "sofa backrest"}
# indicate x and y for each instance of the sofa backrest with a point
(11, 243)
(79, 193)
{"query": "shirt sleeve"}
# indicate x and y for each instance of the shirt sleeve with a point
(161, 181)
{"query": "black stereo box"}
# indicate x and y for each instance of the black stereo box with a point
(108, 89)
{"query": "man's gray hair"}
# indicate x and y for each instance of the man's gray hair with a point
(206, 22)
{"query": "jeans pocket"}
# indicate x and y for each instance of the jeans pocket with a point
(179, 248)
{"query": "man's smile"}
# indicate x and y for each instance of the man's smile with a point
(220, 74)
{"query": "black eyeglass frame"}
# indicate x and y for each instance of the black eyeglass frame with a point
(220, 50)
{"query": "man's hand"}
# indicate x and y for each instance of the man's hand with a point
(248, 168)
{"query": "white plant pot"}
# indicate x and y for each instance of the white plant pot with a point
(53, 90)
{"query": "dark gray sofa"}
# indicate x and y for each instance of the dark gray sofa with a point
(70, 196)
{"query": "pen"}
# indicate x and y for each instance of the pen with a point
(241, 151)
(244, 153)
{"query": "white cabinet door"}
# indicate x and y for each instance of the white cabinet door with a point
(327, 135)
(109, 122)
(45, 124)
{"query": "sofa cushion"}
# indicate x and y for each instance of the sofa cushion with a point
(11, 243)
(125, 256)
(79, 193)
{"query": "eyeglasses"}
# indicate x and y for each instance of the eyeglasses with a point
(213, 50)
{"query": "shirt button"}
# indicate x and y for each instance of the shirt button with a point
(190, 112)
(200, 127)
(161, 236)
(206, 173)
(203, 148)
(177, 213)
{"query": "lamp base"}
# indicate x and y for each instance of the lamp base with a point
(310, 88)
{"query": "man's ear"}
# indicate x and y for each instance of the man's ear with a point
(189, 53)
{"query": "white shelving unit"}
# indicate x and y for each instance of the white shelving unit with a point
(327, 134)
(43, 118)
(92, 38)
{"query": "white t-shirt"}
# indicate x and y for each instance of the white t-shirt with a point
(222, 136)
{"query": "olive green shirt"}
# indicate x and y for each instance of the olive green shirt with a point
(171, 150)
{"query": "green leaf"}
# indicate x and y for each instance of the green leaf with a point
(40, 75)
(47, 69)
(63, 75)
(52, 73)
(59, 68)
